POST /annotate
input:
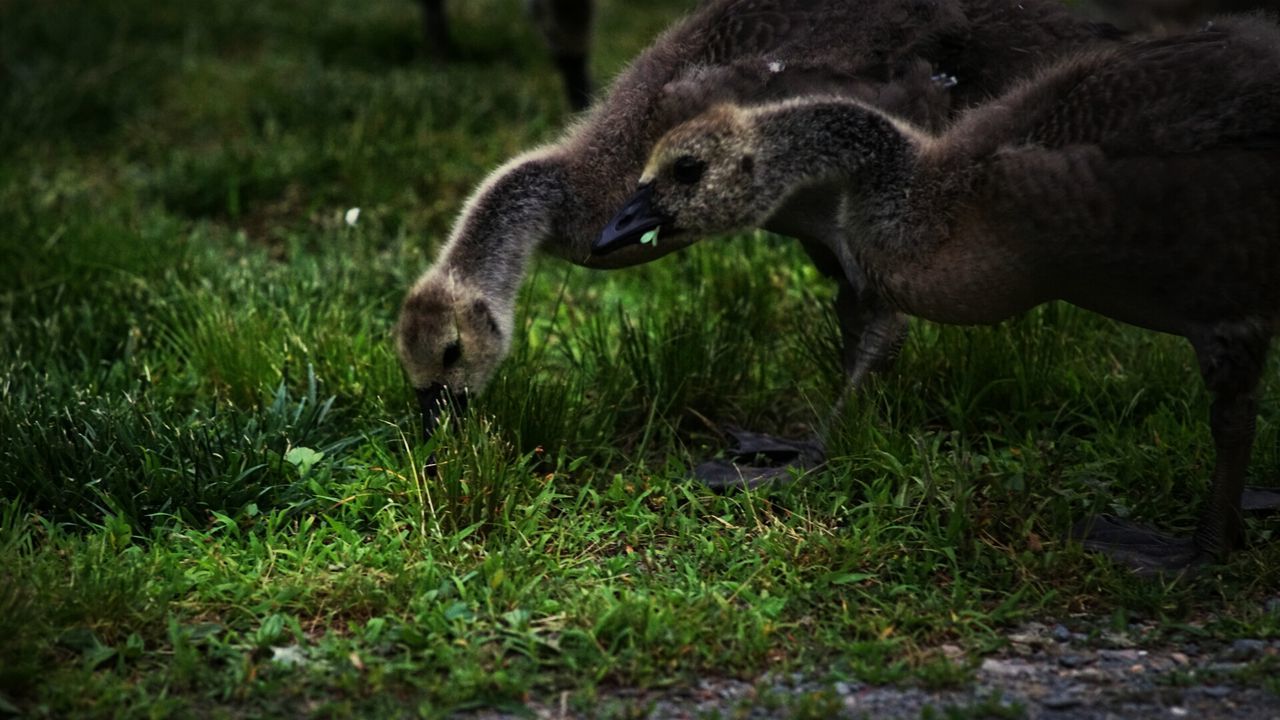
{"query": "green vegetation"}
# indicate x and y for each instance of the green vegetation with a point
(211, 499)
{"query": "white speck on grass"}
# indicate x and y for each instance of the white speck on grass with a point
(777, 66)
(352, 216)
(289, 655)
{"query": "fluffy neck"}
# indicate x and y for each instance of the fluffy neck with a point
(813, 142)
(504, 222)
(894, 185)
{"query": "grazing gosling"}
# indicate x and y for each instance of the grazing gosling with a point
(1139, 181)
(556, 199)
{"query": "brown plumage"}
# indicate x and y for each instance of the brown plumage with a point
(1171, 15)
(557, 197)
(1141, 181)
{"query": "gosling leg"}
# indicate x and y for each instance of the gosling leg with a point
(871, 334)
(435, 28)
(1231, 360)
(566, 26)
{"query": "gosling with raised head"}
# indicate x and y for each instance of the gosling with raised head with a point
(1139, 181)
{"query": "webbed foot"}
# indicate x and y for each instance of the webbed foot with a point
(1260, 500)
(757, 459)
(1146, 551)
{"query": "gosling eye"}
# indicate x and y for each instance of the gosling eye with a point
(452, 353)
(688, 169)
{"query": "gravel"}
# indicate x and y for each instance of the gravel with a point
(1046, 672)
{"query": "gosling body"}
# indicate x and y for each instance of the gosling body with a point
(1139, 181)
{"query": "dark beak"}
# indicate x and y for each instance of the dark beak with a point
(631, 223)
(434, 401)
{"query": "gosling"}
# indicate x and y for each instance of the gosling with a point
(1139, 181)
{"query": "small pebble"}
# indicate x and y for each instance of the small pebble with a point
(1117, 640)
(1071, 661)
(1030, 634)
(1178, 711)
(1061, 633)
(1060, 701)
(733, 691)
(1119, 655)
(1004, 668)
(1094, 675)
(843, 688)
(1243, 651)
(1216, 691)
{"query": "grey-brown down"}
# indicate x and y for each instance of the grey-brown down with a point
(1170, 15)
(1141, 181)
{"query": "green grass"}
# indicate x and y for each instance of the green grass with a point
(211, 499)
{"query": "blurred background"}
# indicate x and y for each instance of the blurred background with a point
(257, 115)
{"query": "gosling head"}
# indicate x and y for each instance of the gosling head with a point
(703, 178)
(450, 339)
